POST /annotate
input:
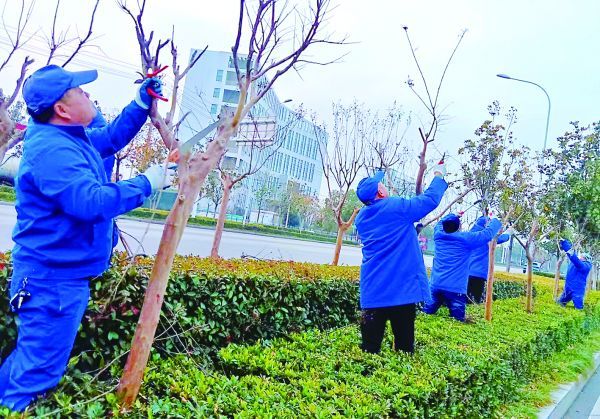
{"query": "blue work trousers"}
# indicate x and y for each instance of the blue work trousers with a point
(47, 325)
(570, 295)
(455, 302)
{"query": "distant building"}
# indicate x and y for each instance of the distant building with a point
(212, 84)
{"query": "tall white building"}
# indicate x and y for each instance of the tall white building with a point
(212, 84)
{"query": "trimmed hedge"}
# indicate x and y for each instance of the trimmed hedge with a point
(458, 370)
(210, 304)
(236, 225)
(7, 194)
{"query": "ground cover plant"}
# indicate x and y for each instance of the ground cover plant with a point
(295, 348)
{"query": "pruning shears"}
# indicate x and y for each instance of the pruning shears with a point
(150, 88)
(443, 157)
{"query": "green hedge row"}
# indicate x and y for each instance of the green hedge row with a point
(236, 225)
(203, 310)
(458, 370)
(210, 304)
(7, 194)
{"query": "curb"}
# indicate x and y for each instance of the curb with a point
(565, 395)
(233, 230)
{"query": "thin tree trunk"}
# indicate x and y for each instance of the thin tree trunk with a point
(510, 249)
(227, 185)
(422, 165)
(193, 172)
(342, 228)
(557, 277)
(489, 293)
(338, 244)
(529, 305)
(287, 215)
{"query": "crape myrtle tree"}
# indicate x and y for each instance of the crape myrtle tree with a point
(573, 204)
(490, 165)
(429, 96)
(277, 38)
(58, 40)
(343, 153)
(259, 144)
(532, 226)
(387, 149)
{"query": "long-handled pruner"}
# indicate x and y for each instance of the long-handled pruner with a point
(151, 89)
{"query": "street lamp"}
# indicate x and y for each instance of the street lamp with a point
(504, 76)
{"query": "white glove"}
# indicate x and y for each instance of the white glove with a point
(440, 168)
(158, 178)
(510, 231)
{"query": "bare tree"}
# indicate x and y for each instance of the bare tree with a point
(343, 159)
(258, 144)
(264, 58)
(387, 150)
(8, 137)
(430, 100)
(60, 38)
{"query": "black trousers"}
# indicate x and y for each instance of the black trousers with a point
(475, 290)
(402, 319)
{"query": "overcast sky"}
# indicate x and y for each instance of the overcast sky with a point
(554, 43)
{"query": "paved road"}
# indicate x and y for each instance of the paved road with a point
(587, 403)
(198, 241)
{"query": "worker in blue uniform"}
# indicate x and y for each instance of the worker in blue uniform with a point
(392, 274)
(478, 263)
(449, 274)
(577, 273)
(64, 232)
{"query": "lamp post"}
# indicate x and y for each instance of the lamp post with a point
(504, 76)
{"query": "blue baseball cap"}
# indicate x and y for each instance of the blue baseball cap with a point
(368, 187)
(47, 85)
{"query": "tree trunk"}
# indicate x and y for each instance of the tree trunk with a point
(510, 249)
(529, 293)
(227, 185)
(557, 277)
(342, 228)
(489, 292)
(422, 166)
(287, 215)
(193, 172)
(338, 243)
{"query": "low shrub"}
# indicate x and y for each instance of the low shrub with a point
(458, 370)
(7, 194)
(211, 303)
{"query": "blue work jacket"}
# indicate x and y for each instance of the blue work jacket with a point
(450, 271)
(65, 203)
(392, 270)
(480, 256)
(577, 274)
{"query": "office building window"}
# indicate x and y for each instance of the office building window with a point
(231, 96)
(217, 93)
(219, 75)
(213, 109)
(231, 79)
